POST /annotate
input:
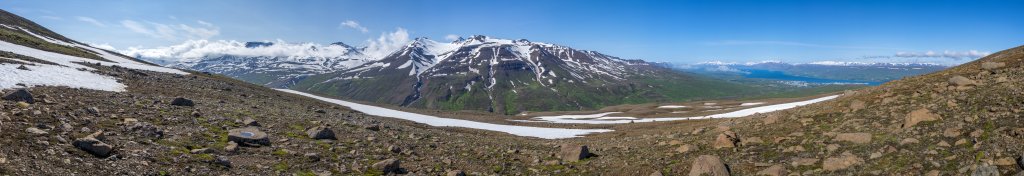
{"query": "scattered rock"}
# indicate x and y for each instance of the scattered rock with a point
(727, 139)
(857, 138)
(320, 132)
(21, 95)
(961, 81)
(93, 146)
(22, 67)
(918, 116)
(840, 163)
(387, 166)
(774, 170)
(248, 136)
(656, 173)
(708, 165)
(951, 132)
(571, 152)
(182, 102)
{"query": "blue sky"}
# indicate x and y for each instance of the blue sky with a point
(676, 31)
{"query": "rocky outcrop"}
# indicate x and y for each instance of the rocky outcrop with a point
(708, 165)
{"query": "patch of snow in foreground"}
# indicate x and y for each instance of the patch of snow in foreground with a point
(546, 133)
(52, 75)
(671, 106)
(600, 119)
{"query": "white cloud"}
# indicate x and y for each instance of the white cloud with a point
(452, 37)
(92, 21)
(191, 50)
(206, 30)
(173, 17)
(353, 25)
(387, 43)
(945, 54)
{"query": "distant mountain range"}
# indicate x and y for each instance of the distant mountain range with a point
(475, 73)
(824, 70)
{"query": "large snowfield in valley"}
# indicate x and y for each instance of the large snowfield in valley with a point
(602, 118)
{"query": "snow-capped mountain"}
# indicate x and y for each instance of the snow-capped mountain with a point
(502, 75)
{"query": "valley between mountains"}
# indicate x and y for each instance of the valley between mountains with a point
(483, 106)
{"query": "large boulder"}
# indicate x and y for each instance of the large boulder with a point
(93, 146)
(708, 165)
(992, 65)
(320, 132)
(571, 152)
(182, 102)
(248, 136)
(918, 116)
(22, 95)
(727, 139)
(388, 166)
(961, 81)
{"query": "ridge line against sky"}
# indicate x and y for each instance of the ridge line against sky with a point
(681, 31)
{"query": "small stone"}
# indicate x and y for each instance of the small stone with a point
(223, 161)
(373, 127)
(320, 132)
(686, 148)
(774, 170)
(708, 165)
(571, 152)
(842, 162)
(20, 95)
(248, 136)
(248, 121)
(388, 166)
(909, 141)
(232, 146)
(23, 67)
(312, 156)
(857, 138)
(200, 151)
(394, 149)
(656, 173)
(93, 110)
(803, 162)
(182, 102)
(36, 131)
(918, 116)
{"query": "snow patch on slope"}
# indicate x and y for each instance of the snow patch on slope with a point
(539, 132)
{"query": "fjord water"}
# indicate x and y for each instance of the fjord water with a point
(778, 75)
